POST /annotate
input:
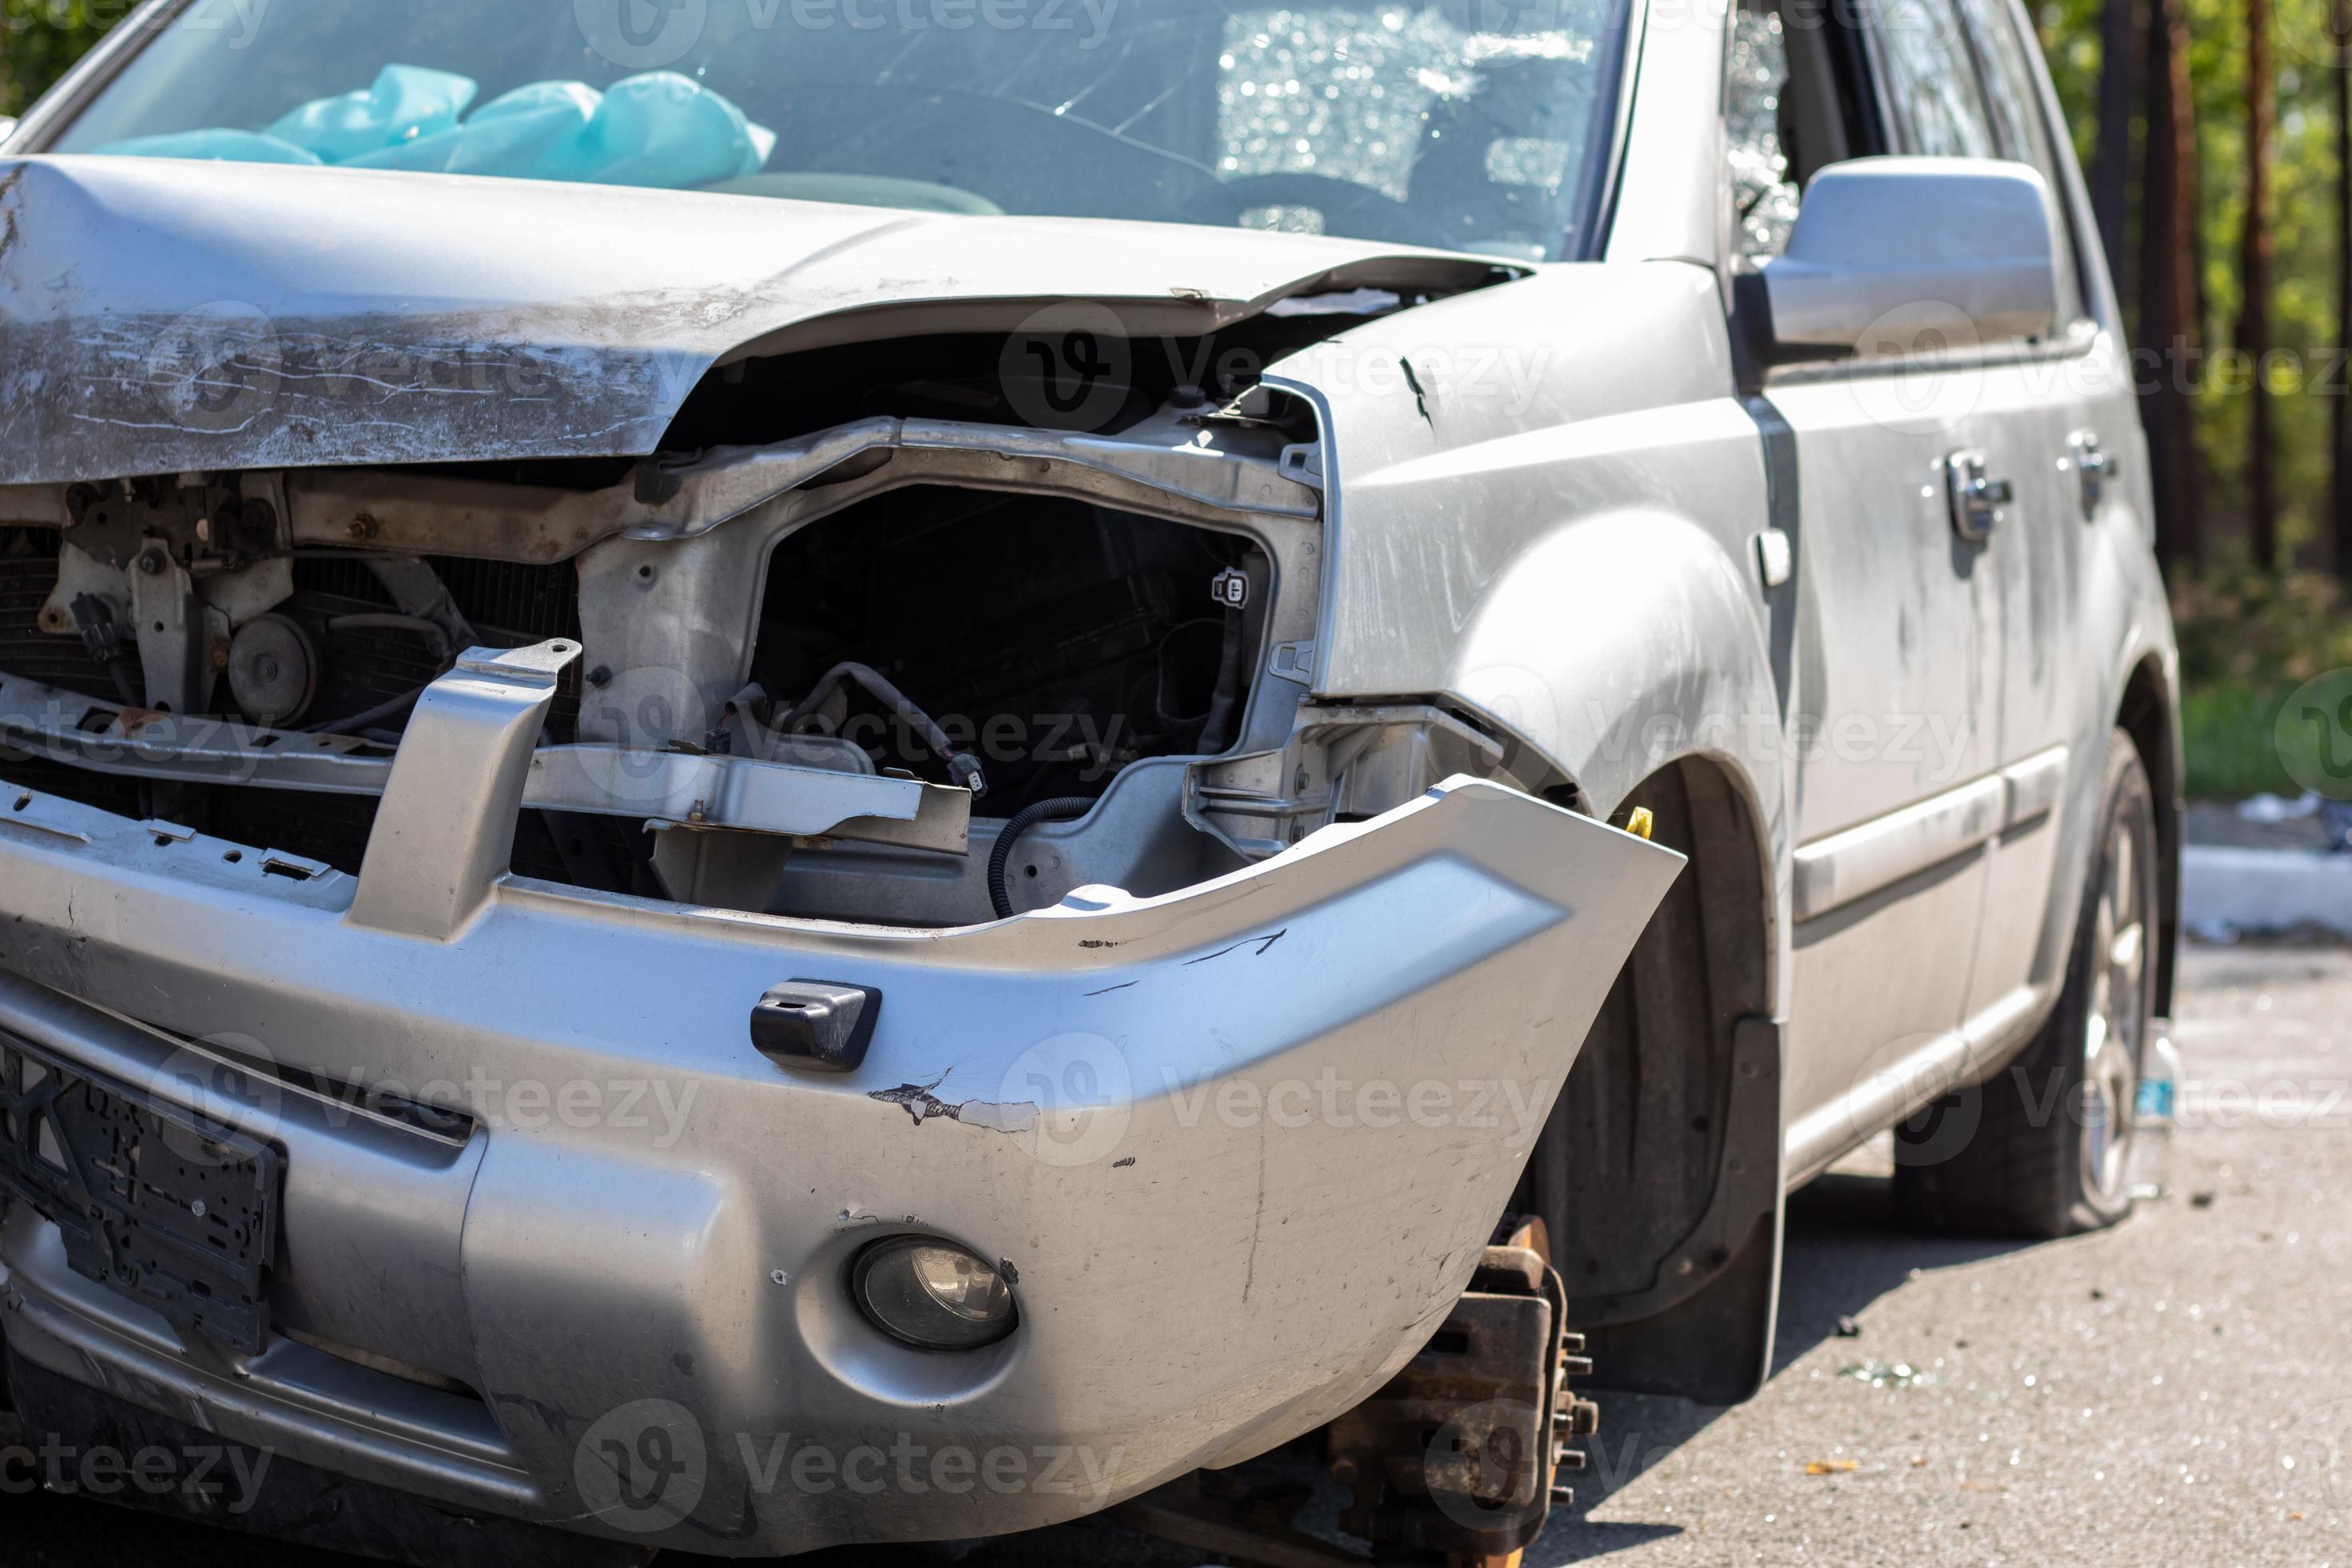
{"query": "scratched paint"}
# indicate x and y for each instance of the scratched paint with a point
(163, 317)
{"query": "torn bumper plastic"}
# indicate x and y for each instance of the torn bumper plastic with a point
(559, 1242)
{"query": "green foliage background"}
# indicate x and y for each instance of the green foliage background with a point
(2304, 220)
(2249, 637)
(39, 38)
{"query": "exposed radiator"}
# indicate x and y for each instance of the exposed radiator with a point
(510, 605)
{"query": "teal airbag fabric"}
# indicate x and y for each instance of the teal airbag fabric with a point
(405, 102)
(214, 147)
(659, 129)
(529, 133)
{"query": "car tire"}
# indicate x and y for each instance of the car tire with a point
(2043, 1150)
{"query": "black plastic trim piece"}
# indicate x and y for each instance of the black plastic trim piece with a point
(817, 1025)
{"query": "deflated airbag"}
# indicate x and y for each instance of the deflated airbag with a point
(658, 130)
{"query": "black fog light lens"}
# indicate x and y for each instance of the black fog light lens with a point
(933, 1294)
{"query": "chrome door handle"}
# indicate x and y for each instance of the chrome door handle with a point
(1978, 500)
(2094, 468)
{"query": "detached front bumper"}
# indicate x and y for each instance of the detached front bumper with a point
(1240, 1146)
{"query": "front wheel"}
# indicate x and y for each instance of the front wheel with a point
(2051, 1153)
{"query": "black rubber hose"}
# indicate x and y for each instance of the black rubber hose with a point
(1068, 809)
(434, 637)
(964, 767)
(376, 715)
(1214, 737)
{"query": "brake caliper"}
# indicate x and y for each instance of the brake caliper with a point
(1458, 1457)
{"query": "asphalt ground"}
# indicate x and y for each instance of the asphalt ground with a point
(2177, 1390)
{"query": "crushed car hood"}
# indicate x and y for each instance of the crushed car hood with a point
(161, 317)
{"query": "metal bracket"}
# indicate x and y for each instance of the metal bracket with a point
(719, 870)
(1459, 1454)
(446, 833)
(747, 795)
(1455, 1459)
(176, 631)
(686, 790)
(158, 1203)
(1261, 802)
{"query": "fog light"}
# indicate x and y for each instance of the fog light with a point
(933, 1294)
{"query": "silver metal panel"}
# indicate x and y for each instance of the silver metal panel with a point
(1675, 196)
(140, 284)
(1557, 534)
(109, 738)
(1464, 939)
(1900, 1082)
(1562, 541)
(446, 831)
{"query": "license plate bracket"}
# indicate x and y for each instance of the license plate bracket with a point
(160, 1204)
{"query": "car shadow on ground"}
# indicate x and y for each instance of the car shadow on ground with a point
(1844, 1251)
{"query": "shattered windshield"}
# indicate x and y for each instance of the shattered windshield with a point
(1470, 124)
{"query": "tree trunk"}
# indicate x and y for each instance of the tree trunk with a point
(2258, 247)
(2343, 410)
(2111, 178)
(2169, 324)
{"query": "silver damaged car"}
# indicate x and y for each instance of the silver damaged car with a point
(776, 775)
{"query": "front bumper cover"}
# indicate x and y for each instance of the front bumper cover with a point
(1240, 1146)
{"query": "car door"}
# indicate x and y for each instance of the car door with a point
(2082, 413)
(1900, 667)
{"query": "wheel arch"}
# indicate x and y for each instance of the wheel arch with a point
(2148, 711)
(1660, 1170)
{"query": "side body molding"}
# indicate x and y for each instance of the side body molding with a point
(1835, 871)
